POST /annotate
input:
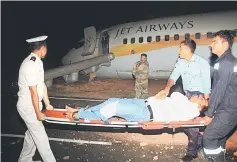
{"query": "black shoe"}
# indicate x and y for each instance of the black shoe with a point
(187, 158)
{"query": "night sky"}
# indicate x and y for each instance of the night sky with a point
(64, 23)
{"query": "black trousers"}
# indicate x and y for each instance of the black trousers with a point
(194, 141)
(194, 136)
(221, 127)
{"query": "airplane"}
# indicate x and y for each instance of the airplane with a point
(159, 38)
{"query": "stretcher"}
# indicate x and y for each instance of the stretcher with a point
(59, 116)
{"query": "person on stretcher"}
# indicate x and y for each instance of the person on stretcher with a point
(177, 107)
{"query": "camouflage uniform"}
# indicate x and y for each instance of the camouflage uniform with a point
(141, 71)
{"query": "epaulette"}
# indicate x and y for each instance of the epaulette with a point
(33, 58)
(138, 63)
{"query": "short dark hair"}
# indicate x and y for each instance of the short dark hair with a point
(37, 45)
(143, 55)
(190, 43)
(226, 35)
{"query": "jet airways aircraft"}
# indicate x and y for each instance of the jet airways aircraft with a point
(158, 38)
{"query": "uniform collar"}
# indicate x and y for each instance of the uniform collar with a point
(194, 58)
(33, 54)
(224, 54)
(142, 62)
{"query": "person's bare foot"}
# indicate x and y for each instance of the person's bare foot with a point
(70, 110)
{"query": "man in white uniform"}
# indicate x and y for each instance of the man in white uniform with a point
(32, 90)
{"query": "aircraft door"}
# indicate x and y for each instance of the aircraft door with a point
(90, 41)
(104, 39)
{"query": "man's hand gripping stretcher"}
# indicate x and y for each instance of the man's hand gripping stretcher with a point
(157, 108)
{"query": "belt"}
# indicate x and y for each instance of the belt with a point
(150, 110)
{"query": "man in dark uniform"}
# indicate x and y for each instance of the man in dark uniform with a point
(222, 109)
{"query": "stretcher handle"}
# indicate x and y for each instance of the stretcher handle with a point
(152, 126)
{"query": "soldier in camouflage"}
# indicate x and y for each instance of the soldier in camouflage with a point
(140, 74)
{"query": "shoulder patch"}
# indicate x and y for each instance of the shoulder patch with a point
(235, 68)
(138, 63)
(216, 66)
(33, 58)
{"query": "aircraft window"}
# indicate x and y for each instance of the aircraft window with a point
(234, 33)
(187, 36)
(140, 39)
(209, 35)
(132, 40)
(198, 35)
(157, 38)
(167, 37)
(176, 37)
(125, 41)
(149, 39)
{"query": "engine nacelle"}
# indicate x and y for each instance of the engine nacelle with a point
(70, 78)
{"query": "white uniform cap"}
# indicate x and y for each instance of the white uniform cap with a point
(36, 39)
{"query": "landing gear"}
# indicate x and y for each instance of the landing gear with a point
(92, 76)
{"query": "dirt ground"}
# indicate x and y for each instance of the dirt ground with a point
(106, 88)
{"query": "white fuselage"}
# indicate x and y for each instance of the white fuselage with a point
(161, 40)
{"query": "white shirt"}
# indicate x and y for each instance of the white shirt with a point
(177, 107)
(31, 73)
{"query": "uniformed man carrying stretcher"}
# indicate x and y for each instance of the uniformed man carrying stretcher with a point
(32, 90)
(222, 108)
